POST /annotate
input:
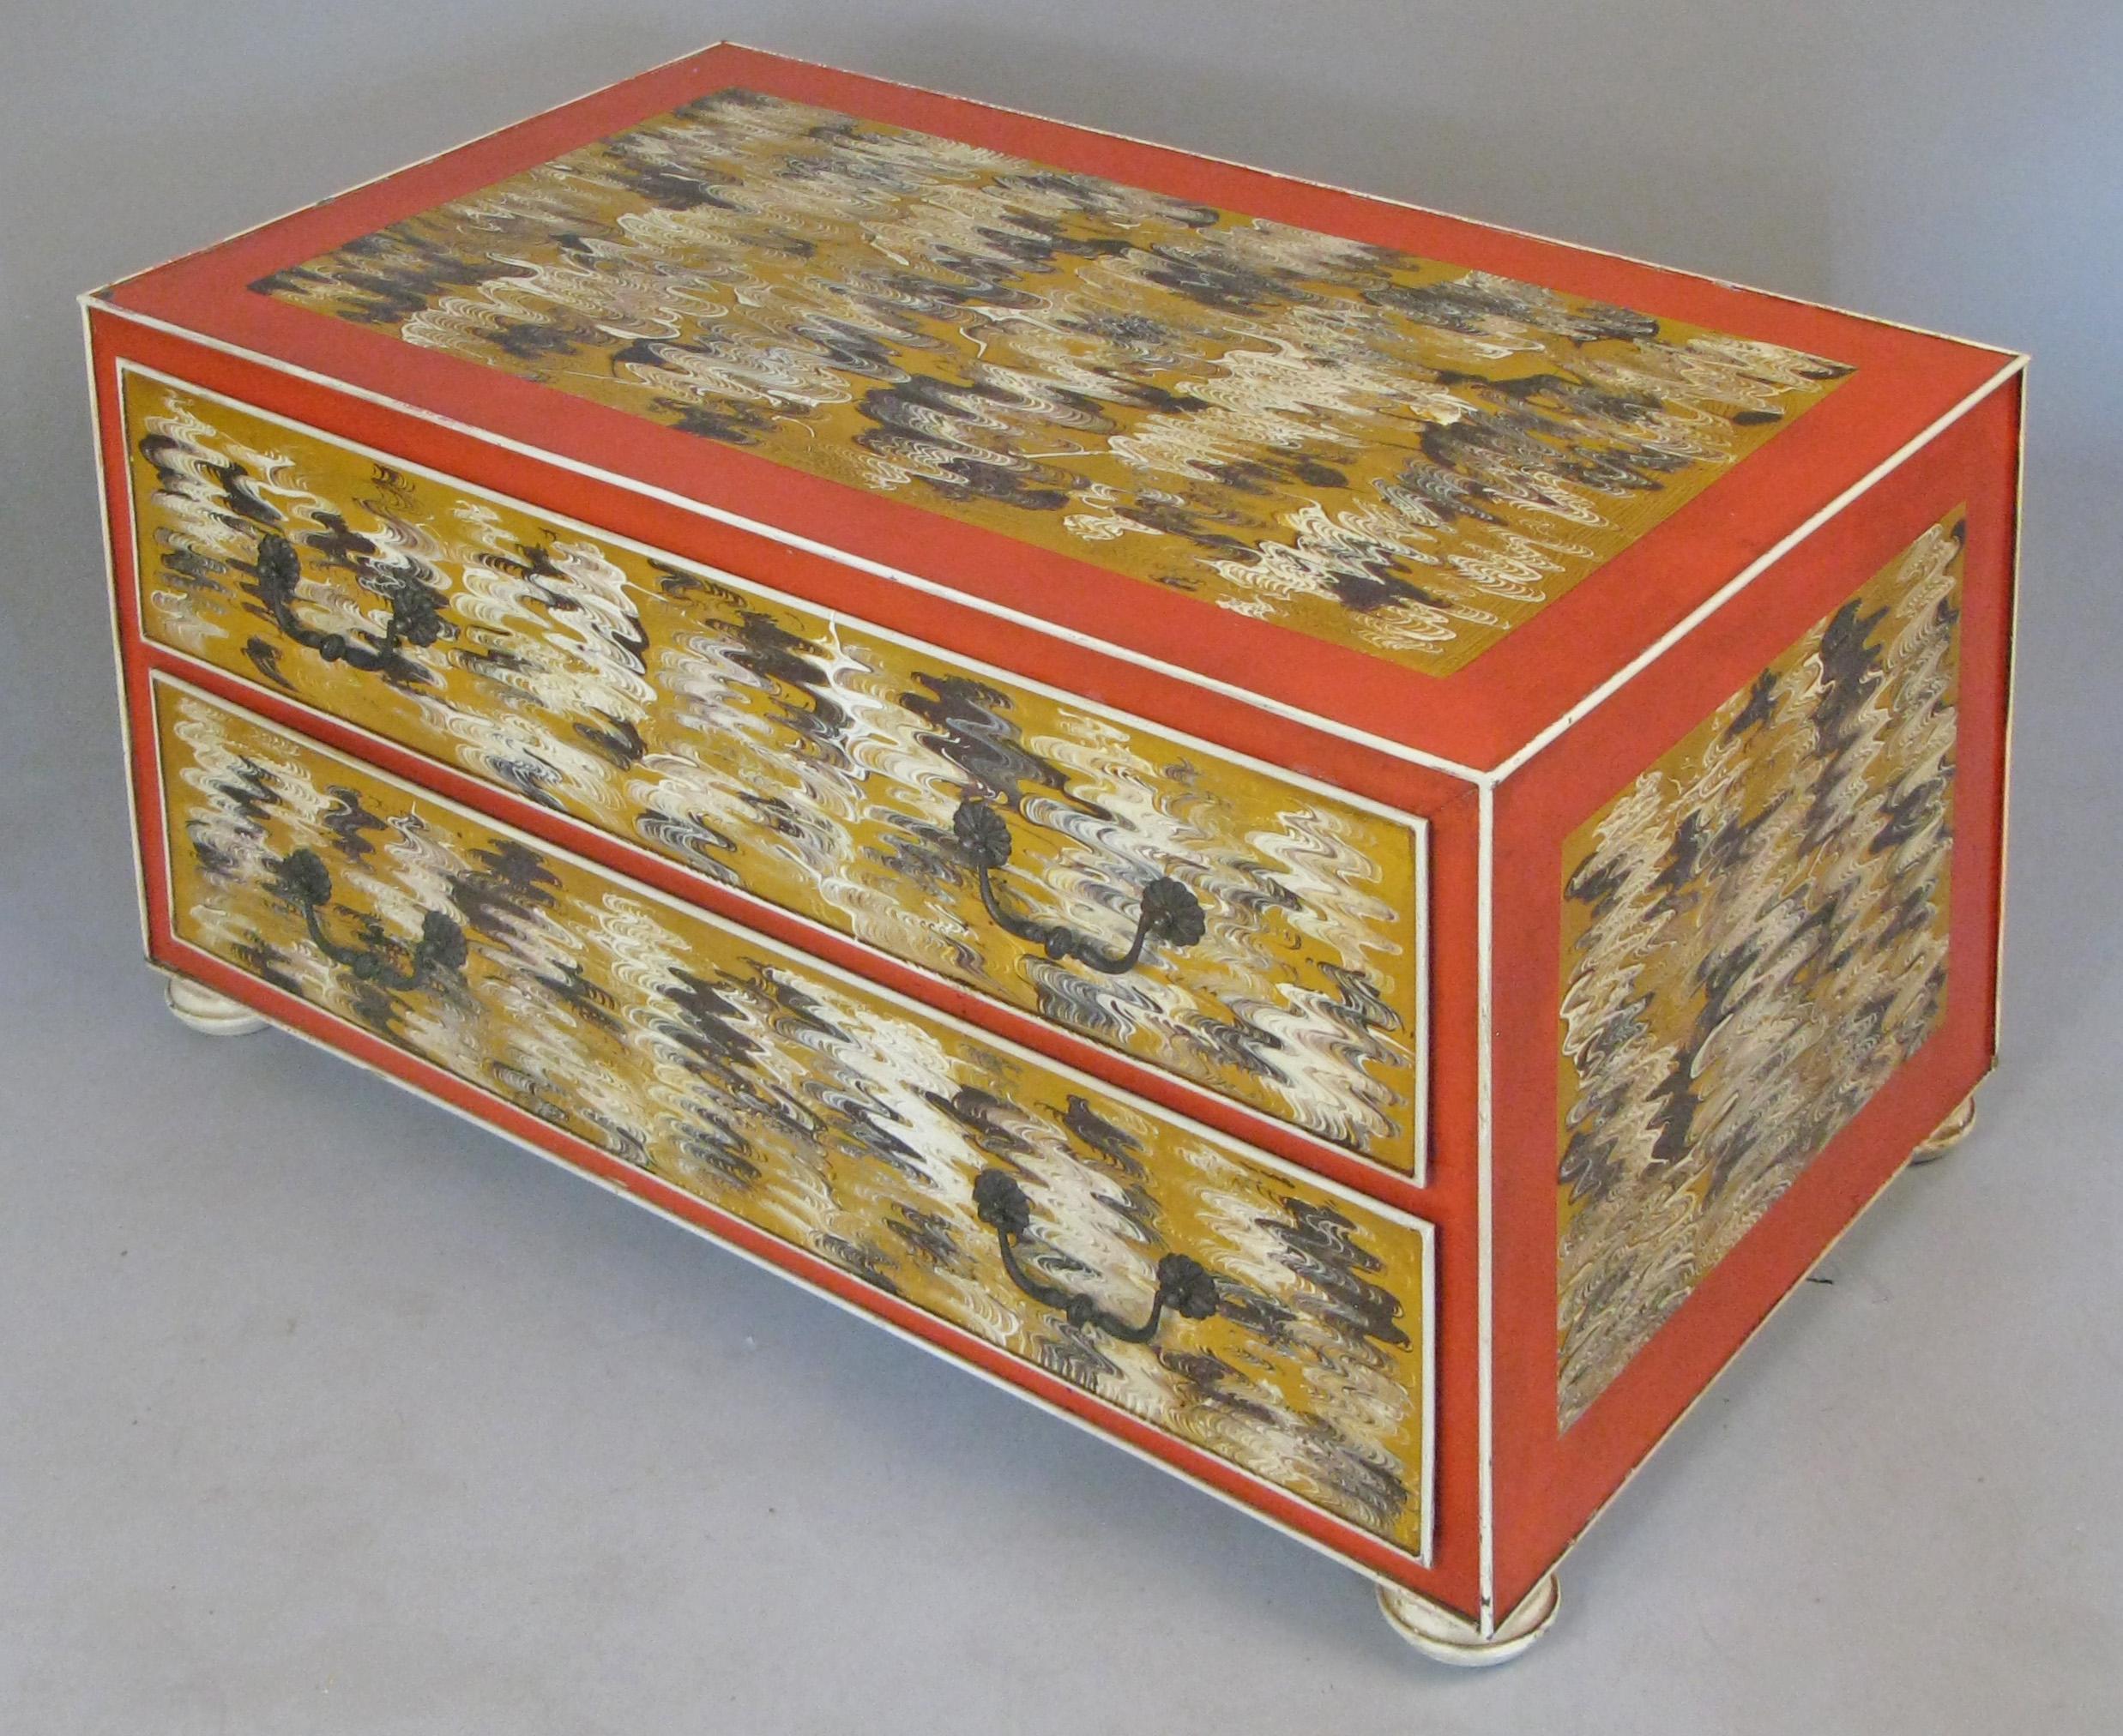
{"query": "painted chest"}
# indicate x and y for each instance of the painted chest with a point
(1335, 841)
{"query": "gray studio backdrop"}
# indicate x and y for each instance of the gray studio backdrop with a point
(321, 1411)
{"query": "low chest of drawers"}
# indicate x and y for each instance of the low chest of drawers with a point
(1335, 841)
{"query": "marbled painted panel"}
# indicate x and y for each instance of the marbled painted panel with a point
(1754, 938)
(1375, 449)
(825, 1113)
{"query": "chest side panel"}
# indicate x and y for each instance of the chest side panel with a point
(1286, 1321)
(1754, 939)
(1378, 450)
(1257, 935)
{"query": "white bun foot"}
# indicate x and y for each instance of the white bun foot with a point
(204, 1011)
(1451, 1639)
(1948, 1134)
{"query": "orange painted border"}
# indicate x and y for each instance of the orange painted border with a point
(1475, 717)
(1447, 1201)
(1548, 1486)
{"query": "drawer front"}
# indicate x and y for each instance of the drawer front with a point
(1265, 1317)
(1250, 934)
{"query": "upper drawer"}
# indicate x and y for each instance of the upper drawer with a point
(1247, 930)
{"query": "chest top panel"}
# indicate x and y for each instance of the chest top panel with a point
(1397, 456)
(1221, 450)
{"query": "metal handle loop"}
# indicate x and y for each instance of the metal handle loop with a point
(1183, 1285)
(305, 879)
(416, 616)
(1170, 912)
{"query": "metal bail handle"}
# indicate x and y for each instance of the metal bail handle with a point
(1183, 1285)
(303, 878)
(416, 616)
(1170, 912)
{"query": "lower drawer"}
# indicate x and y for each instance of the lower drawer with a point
(1263, 1315)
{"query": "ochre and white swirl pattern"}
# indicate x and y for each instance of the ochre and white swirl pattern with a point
(1378, 450)
(824, 1113)
(1754, 939)
(813, 764)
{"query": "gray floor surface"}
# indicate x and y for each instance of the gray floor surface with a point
(322, 1411)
